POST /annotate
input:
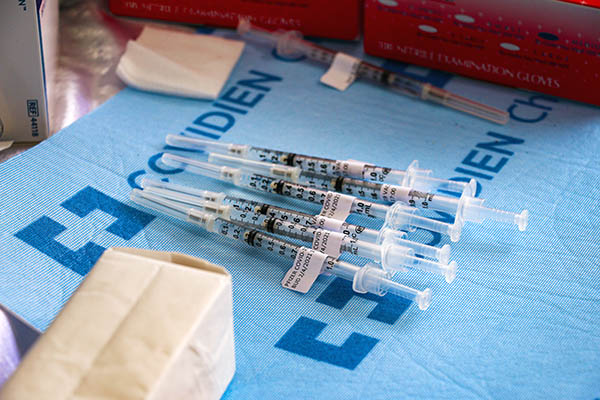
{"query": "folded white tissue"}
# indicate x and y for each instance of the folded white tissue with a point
(179, 63)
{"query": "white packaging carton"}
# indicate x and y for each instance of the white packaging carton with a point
(142, 325)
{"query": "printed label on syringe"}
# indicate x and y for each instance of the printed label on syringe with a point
(342, 71)
(393, 193)
(375, 174)
(330, 224)
(328, 242)
(414, 198)
(420, 199)
(304, 272)
(335, 225)
(351, 168)
(337, 206)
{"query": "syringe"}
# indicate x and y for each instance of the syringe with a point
(465, 208)
(251, 207)
(291, 43)
(392, 256)
(366, 279)
(396, 216)
(374, 191)
(414, 176)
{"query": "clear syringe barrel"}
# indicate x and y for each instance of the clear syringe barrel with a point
(403, 194)
(247, 209)
(401, 216)
(356, 187)
(396, 216)
(273, 225)
(213, 223)
(315, 195)
(268, 184)
(280, 227)
(388, 235)
(365, 279)
(348, 245)
(405, 209)
(414, 176)
(391, 255)
(286, 42)
(383, 192)
(401, 219)
(291, 43)
(231, 212)
(356, 232)
(316, 169)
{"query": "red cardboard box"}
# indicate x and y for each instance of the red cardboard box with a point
(338, 19)
(549, 46)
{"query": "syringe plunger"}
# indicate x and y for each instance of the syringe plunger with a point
(372, 279)
(473, 210)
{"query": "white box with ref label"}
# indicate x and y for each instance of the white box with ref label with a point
(28, 44)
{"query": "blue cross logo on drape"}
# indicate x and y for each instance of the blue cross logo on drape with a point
(301, 338)
(41, 233)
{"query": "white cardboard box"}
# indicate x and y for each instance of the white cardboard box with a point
(143, 325)
(28, 52)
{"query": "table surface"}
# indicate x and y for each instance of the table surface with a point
(521, 320)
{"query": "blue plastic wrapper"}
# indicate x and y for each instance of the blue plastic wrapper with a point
(521, 320)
